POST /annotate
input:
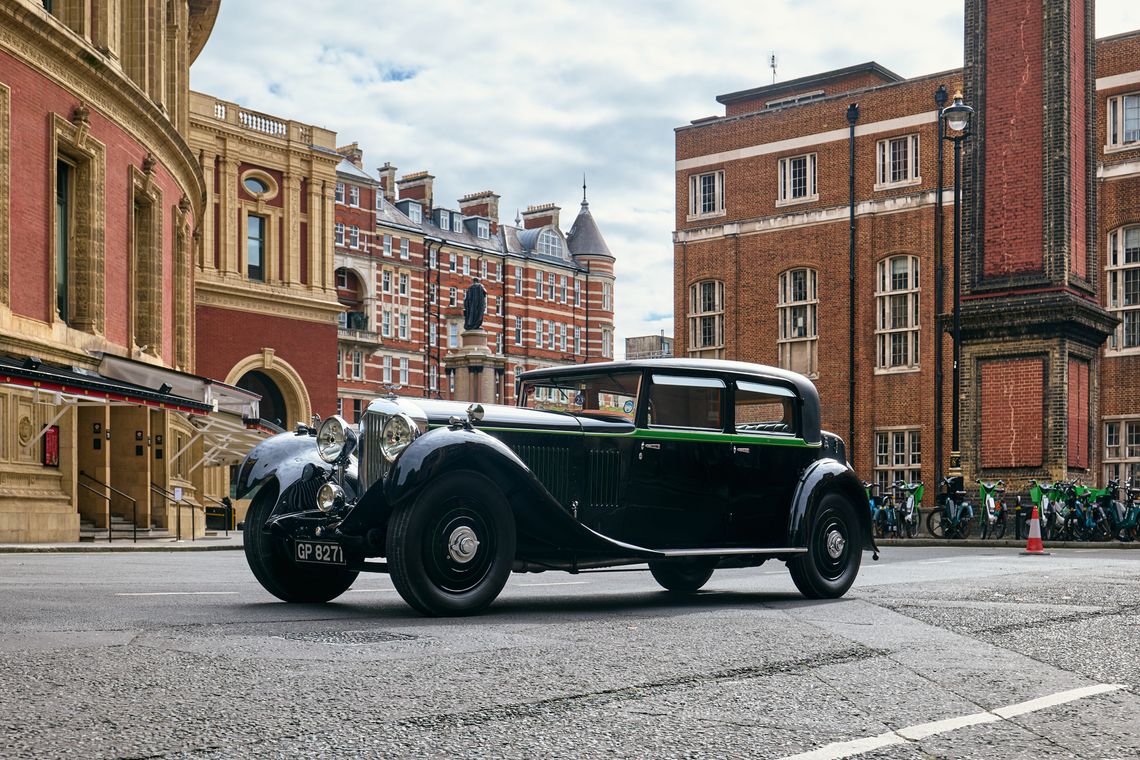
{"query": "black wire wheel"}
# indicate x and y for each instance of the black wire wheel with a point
(682, 576)
(450, 550)
(834, 551)
(271, 561)
(997, 530)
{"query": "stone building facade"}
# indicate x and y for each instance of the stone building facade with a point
(404, 264)
(806, 231)
(101, 205)
(265, 298)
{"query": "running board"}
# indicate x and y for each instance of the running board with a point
(768, 550)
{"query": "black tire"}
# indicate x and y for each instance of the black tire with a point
(963, 528)
(433, 563)
(881, 528)
(911, 528)
(998, 528)
(682, 576)
(272, 564)
(934, 523)
(984, 524)
(834, 551)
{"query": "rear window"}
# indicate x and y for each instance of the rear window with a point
(763, 409)
(686, 402)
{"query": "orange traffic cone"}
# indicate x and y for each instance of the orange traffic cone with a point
(1034, 545)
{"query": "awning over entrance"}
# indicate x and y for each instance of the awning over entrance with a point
(224, 417)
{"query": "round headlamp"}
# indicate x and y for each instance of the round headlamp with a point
(398, 433)
(328, 496)
(335, 439)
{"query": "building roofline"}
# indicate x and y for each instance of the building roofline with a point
(846, 95)
(795, 84)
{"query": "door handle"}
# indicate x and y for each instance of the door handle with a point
(741, 450)
(645, 445)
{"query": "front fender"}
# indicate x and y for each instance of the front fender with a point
(283, 459)
(822, 477)
(445, 450)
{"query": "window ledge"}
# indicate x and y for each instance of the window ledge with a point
(896, 370)
(895, 185)
(1121, 353)
(1122, 147)
(797, 201)
(700, 217)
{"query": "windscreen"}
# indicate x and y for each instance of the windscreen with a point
(597, 394)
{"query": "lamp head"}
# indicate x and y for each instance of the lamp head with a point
(957, 114)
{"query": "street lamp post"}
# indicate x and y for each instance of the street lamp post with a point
(940, 98)
(956, 118)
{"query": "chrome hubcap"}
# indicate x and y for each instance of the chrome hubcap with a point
(462, 544)
(835, 544)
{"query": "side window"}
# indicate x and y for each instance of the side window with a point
(686, 402)
(763, 409)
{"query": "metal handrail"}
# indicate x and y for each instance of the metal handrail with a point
(222, 504)
(178, 514)
(105, 498)
(134, 505)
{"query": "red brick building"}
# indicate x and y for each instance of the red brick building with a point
(403, 264)
(777, 227)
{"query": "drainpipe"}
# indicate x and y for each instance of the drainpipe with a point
(852, 117)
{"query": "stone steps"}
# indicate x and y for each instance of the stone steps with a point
(121, 528)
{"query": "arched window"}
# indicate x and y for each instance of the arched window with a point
(549, 243)
(1124, 286)
(706, 319)
(796, 302)
(896, 302)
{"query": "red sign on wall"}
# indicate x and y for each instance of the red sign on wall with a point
(51, 446)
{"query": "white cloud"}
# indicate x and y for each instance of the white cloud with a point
(522, 98)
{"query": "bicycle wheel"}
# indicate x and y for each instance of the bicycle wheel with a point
(934, 524)
(960, 529)
(998, 529)
(984, 524)
(881, 524)
(911, 526)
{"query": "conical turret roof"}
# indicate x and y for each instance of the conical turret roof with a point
(585, 239)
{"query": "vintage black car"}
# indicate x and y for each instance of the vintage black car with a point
(682, 465)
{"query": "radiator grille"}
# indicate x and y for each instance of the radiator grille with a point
(551, 465)
(371, 463)
(604, 477)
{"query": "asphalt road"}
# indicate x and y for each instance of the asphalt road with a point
(948, 653)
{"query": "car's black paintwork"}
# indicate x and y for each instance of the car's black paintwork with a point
(585, 491)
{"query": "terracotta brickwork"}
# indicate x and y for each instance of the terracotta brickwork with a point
(1026, 306)
(1012, 399)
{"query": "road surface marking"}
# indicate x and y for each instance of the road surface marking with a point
(559, 583)
(366, 590)
(177, 593)
(936, 562)
(838, 750)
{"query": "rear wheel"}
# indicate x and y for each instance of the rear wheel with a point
(272, 564)
(834, 551)
(450, 551)
(998, 528)
(682, 576)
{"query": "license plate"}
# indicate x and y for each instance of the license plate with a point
(319, 552)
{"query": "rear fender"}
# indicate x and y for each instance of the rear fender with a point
(822, 477)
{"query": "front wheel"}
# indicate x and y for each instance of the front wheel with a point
(934, 524)
(913, 523)
(682, 576)
(998, 528)
(450, 551)
(271, 561)
(834, 551)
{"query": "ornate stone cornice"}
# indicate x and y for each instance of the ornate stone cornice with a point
(265, 299)
(35, 37)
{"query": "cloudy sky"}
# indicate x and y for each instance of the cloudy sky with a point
(524, 97)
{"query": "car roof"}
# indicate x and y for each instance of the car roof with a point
(804, 388)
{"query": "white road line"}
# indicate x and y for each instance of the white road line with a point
(838, 750)
(178, 593)
(560, 583)
(366, 590)
(936, 562)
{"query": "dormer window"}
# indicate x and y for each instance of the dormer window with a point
(415, 213)
(456, 223)
(549, 243)
(483, 229)
(444, 220)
